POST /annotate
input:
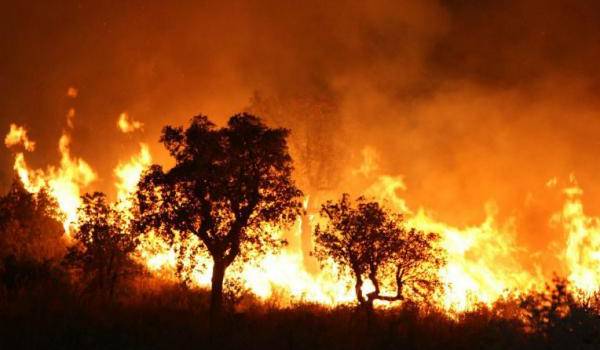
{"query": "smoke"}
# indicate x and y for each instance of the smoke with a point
(470, 101)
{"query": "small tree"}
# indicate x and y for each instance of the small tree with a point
(103, 245)
(29, 225)
(31, 236)
(227, 183)
(372, 245)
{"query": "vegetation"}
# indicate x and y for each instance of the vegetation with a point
(227, 185)
(371, 242)
(174, 317)
(29, 225)
(104, 243)
(31, 242)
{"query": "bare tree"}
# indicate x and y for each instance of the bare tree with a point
(373, 246)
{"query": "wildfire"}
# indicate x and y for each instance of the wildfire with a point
(582, 252)
(128, 175)
(64, 182)
(481, 264)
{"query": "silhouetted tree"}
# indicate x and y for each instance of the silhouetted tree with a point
(227, 183)
(30, 235)
(372, 245)
(29, 224)
(104, 241)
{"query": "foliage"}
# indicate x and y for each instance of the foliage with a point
(226, 185)
(562, 317)
(370, 242)
(36, 295)
(29, 225)
(104, 241)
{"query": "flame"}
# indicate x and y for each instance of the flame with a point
(128, 174)
(482, 264)
(272, 275)
(64, 182)
(127, 125)
(480, 267)
(386, 189)
(283, 274)
(18, 135)
(582, 251)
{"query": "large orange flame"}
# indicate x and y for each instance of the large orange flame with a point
(65, 182)
(582, 251)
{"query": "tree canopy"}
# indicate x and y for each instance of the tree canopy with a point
(370, 242)
(29, 225)
(227, 183)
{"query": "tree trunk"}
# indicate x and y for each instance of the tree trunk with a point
(358, 290)
(216, 293)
